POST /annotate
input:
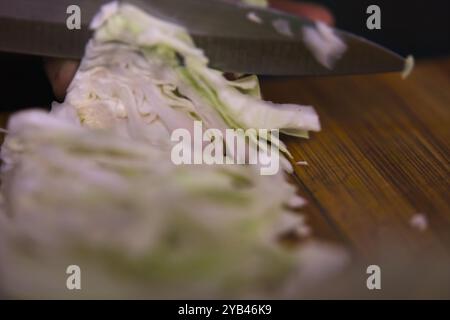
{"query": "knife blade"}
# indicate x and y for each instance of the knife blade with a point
(222, 29)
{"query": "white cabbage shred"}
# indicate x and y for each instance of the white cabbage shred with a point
(253, 17)
(326, 46)
(419, 221)
(91, 183)
(283, 27)
(409, 67)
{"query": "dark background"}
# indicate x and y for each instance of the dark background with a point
(420, 27)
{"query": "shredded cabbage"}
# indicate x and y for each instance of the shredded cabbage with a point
(283, 27)
(409, 67)
(253, 17)
(326, 46)
(91, 183)
(144, 77)
(120, 206)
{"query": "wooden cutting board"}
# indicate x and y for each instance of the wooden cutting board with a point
(381, 158)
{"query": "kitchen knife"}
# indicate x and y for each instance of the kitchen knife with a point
(231, 40)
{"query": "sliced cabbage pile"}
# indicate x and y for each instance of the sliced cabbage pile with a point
(143, 78)
(91, 183)
(117, 205)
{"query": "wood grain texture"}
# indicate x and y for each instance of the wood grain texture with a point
(382, 156)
